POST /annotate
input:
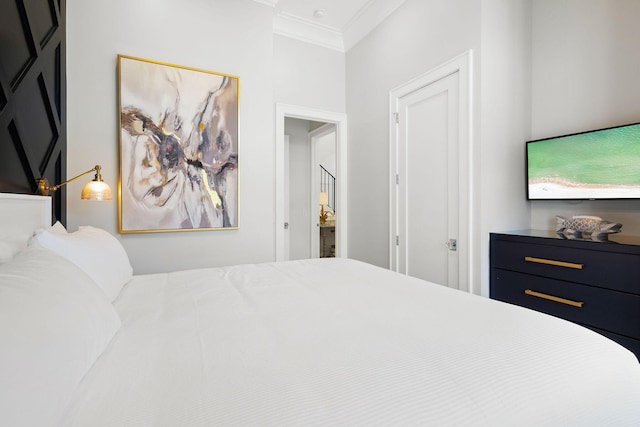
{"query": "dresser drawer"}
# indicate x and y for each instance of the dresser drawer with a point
(608, 310)
(610, 270)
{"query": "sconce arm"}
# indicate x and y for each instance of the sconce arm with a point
(43, 183)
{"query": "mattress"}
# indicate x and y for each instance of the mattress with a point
(339, 342)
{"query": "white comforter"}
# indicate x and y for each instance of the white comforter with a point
(339, 342)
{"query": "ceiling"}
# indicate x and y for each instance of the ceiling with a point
(335, 24)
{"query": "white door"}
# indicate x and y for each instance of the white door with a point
(431, 170)
(428, 182)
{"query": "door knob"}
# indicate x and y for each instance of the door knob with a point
(452, 245)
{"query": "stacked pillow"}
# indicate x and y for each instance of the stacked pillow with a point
(10, 246)
(54, 324)
(95, 251)
(56, 318)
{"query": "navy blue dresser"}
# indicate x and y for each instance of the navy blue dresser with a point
(595, 284)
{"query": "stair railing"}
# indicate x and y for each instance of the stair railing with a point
(328, 185)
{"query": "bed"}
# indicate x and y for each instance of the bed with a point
(300, 343)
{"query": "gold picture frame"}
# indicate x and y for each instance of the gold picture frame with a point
(178, 136)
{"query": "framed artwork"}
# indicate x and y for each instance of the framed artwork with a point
(178, 147)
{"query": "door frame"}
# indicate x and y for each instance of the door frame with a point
(340, 120)
(461, 64)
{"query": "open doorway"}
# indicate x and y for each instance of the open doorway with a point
(310, 189)
(318, 124)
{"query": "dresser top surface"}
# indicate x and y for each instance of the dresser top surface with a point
(613, 240)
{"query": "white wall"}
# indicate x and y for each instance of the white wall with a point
(586, 75)
(307, 75)
(418, 36)
(505, 121)
(228, 36)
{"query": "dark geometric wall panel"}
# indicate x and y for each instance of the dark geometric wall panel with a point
(43, 24)
(33, 97)
(14, 165)
(17, 49)
(51, 66)
(59, 208)
(35, 121)
(3, 99)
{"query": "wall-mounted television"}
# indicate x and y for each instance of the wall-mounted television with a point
(598, 164)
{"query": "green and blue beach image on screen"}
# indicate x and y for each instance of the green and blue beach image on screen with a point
(597, 164)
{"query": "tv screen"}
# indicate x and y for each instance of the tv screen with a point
(598, 164)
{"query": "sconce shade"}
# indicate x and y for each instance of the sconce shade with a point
(324, 198)
(96, 190)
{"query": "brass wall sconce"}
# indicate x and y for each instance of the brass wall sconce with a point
(96, 189)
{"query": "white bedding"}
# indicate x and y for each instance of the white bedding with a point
(339, 342)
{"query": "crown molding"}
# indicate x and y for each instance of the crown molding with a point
(368, 18)
(340, 39)
(271, 3)
(308, 31)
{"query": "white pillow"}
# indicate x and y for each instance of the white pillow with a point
(10, 246)
(54, 324)
(95, 251)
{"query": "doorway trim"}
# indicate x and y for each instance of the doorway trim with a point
(340, 120)
(461, 64)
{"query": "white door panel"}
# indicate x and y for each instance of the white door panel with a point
(431, 193)
(427, 185)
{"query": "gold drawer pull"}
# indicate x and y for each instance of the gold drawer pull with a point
(554, 298)
(553, 262)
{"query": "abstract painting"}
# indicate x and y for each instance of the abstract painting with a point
(178, 147)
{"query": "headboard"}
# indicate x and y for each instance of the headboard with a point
(20, 214)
